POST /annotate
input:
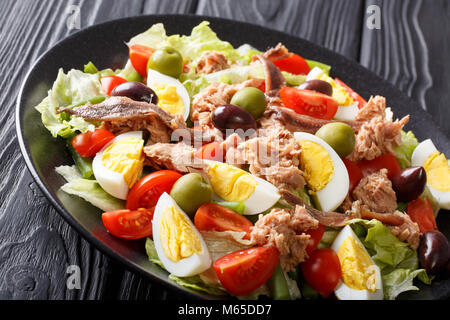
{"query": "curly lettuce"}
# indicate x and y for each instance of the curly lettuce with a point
(398, 262)
(404, 152)
(73, 88)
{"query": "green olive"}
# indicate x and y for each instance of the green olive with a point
(339, 136)
(167, 61)
(190, 192)
(251, 100)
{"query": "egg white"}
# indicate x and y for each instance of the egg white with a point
(154, 77)
(186, 267)
(111, 181)
(264, 197)
(347, 113)
(344, 292)
(418, 158)
(334, 193)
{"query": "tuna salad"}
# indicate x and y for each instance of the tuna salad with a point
(252, 172)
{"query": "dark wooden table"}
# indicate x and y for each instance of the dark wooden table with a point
(410, 49)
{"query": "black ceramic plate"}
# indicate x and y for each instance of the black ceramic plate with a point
(104, 45)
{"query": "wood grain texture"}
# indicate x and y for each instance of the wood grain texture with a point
(36, 245)
(411, 51)
(333, 24)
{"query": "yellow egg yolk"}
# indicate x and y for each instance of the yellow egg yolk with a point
(339, 94)
(438, 171)
(168, 98)
(178, 239)
(316, 164)
(126, 157)
(231, 183)
(358, 270)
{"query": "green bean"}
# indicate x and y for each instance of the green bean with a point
(278, 285)
(326, 68)
(83, 164)
(90, 68)
(94, 100)
(238, 207)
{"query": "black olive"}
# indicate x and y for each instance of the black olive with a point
(318, 86)
(136, 91)
(434, 251)
(232, 117)
(409, 184)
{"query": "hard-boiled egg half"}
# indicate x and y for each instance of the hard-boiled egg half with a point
(438, 171)
(179, 245)
(324, 171)
(361, 277)
(118, 166)
(172, 95)
(233, 184)
(348, 108)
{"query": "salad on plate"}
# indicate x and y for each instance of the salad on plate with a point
(252, 173)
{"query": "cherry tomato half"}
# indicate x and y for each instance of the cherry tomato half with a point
(89, 143)
(421, 212)
(294, 64)
(241, 272)
(129, 224)
(211, 151)
(146, 192)
(354, 173)
(316, 236)
(214, 217)
(322, 271)
(308, 102)
(139, 56)
(110, 82)
(386, 161)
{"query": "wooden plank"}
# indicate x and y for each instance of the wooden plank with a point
(36, 244)
(169, 7)
(411, 51)
(333, 24)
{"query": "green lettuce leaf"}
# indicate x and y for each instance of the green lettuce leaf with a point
(196, 283)
(398, 262)
(89, 190)
(401, 280)
(404, 151)
(202, 38)
(69, 89)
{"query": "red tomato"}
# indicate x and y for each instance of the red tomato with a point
(421, 212)
(139, 56)
(386, 161)
(361, 102)
(146, 192)
(262, 87)
(322, 271)
(110, 82)
(241, 272)
(129, 224)
(295, 64)
(354, 173)
(210, 151)
(214, 217)
(308, 102)
(89, 143)
(316, 236)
